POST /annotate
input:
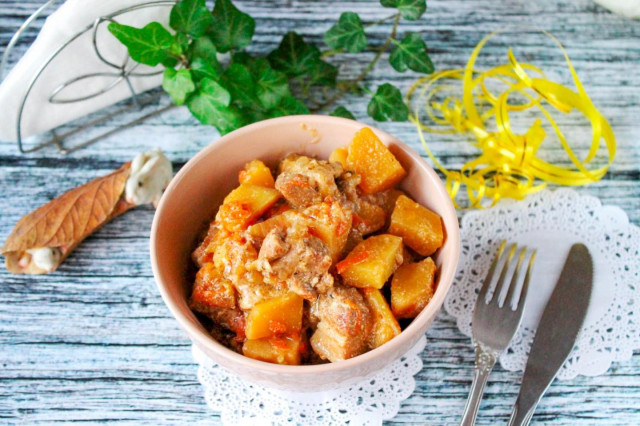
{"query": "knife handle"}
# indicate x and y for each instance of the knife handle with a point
(485, 360)
(522, 414)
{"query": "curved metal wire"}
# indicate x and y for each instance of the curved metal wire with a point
(123, 73)
(18, 34)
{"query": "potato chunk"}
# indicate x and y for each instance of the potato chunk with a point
(211, 289)
(372, 261)
(339, 155)
(244, 205)
(419, 227)
(412, 288)
(256, 173)
(385, 325)
(331, 223)
(277, 350)
(377, 166)
(279, 316)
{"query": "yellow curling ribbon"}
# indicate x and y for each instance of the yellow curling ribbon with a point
(508, 165)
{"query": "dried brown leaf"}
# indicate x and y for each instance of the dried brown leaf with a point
(68, 219)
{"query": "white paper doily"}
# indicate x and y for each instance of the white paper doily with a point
(367, 403)
(551, 221)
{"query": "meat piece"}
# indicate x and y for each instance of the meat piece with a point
(274, 246)
(252, 289)
(212, 290)
(355, 237)
(298, 189)
(227, 338)
(345, 324)
(368, 217)
(304, 181)
(235, 256)
(203, 253)
(231, 319)
(345, 310)
(348, 188)
(385, 199)
(305, 266)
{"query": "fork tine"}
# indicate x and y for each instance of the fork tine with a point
(503, 275)
(525, 284)
(487, 281)
(514, 281)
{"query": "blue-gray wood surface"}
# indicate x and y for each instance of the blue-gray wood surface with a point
(94, 341)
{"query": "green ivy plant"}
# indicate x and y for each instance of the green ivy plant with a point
(294, 78)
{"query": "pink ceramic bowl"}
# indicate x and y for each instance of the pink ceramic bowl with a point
(191, 201)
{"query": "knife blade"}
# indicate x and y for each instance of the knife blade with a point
(557, 332)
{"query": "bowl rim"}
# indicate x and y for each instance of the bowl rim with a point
(202, 339)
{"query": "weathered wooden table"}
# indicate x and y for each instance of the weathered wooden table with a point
(94, 341)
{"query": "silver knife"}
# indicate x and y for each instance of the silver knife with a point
(557, 332)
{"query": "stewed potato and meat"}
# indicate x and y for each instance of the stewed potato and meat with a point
(319, 263)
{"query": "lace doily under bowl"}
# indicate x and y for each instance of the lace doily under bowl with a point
(366, 403)
(551, 221)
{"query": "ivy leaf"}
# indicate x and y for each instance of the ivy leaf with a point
(324, 74)
(288, 106)
(180, 45)
(210, 96)
(203, 47)
(409, 9)
(210, 105)
(294, 56)
(271, 85)
(149, 45)
(227, 119)
(239, 82)
(255, 115)
(242, 58)
(231, 29)
(411, 53)
(347, 34)
(342, 112)
(169, 62)
(178, 84)
(201, 68)
(387, 104)
(190, 17)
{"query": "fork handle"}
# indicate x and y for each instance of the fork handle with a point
(485, 360)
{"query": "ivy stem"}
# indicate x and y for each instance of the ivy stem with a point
(185, 62)
(340, 93)
(380, 21)
(329, 53)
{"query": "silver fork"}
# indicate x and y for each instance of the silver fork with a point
(495, 320)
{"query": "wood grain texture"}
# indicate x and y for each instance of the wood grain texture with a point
(94, 341)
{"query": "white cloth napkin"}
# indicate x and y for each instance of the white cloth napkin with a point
(628, 8)
(77, 59)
